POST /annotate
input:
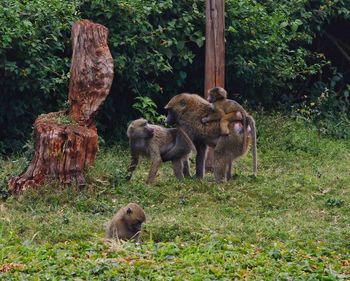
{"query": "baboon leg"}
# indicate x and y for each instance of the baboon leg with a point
(221, 170)
(224, 127)
(186, 166)
(221, 144)
(200, 159)
(178, 169)
(133, 164)
(220, 167)
(183, 145)
(222, 160)
(229, 170)
(156, 162)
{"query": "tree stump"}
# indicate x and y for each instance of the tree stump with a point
(67, 141)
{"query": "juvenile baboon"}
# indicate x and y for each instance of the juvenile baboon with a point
(154, 142)
(187, 110)
(126, 223)
(226, 111)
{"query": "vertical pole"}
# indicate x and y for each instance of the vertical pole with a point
(214, 53)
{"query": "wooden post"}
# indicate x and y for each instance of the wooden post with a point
(214, 53)
(66, 142)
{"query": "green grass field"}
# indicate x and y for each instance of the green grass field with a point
(289, 223)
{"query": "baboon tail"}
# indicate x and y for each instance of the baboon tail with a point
(245, 133)
(251, 123)
(188, 140)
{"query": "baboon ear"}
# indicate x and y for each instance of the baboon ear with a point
(182, 103)
(129, 211)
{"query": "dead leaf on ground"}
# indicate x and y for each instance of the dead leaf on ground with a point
(11, 266)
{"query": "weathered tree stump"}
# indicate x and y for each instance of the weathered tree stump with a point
(91, 74)
(67, 142)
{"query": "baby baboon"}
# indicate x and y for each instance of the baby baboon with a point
(126, 223)
(225, 110)
(187, 110)
(155, 142)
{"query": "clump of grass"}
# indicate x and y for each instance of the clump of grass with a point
(60, 118)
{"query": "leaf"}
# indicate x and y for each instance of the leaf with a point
(180, 45)
(168, 52)
(183, 75)
(284, 24)
(200, 41)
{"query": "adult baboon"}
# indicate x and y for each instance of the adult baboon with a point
(126, 223)
(186, 111)
(154, 142)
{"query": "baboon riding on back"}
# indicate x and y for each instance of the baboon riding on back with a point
(187, 111)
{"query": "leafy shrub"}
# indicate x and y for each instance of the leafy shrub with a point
(148, 109)
(158, 50)
(34, 62)
(328, 108)
(266, 53)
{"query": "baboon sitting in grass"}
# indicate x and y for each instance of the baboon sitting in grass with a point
(126, 223)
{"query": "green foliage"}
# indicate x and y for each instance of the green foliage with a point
(266, 48)
(333, 202)
(148, 109)
(158, 50)
(327, 108)
(34, 62)
(289, 223)
(210, 259)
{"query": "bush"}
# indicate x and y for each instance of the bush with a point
(34, 39)
(328, 108)
(158, 49)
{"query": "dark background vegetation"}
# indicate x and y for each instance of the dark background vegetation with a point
(287, 55)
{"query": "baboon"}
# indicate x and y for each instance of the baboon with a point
(126, 223)
(186, 111)
(154, 142)
(226, 111)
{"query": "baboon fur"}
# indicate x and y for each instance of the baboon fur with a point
(155, 141)
(126, 223)
(187, 110)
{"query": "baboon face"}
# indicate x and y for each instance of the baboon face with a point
(216, 93)
(134, 217)
(177, 106)
(171, 117)
(140, 129)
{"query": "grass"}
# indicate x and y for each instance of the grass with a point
(289, 223)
